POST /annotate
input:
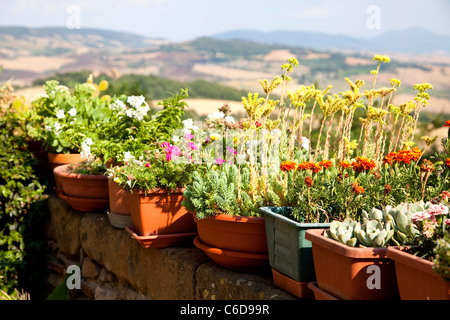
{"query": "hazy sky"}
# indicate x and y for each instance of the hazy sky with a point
(186, 19)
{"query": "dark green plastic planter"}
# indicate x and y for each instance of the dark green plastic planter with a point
(289, 252)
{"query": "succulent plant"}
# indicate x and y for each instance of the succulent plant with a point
(374, 233)
(400, 216)
(343, 232)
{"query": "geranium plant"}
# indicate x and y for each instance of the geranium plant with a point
(62, 119)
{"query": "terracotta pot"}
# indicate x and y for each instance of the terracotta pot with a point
(319, 294)
(92, 189)
(416, 278)
(119, 213)
(157, 212)
(349, 273)
(58, 159)
(234, 242)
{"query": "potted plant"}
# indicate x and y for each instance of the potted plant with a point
(243, 157)
(154, 178)
(422, 266)
(62, 120)
(131, 131)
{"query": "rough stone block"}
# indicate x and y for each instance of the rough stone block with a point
(217, 283)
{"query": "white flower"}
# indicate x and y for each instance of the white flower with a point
(127, 157)
(230, 119)
(57, 127)
(216, 116)
(175, 139)
(60, 114)
(48, 128)
(118, 106)
(136, 101)
(73, 112)
(88, 141)
(129, 113)
(189, 125)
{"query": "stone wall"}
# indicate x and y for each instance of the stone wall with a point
(114, 266)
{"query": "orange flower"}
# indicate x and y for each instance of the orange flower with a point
(309, 182)
(416, 153)
(314, 167)
(326, 164)
(447, 163)
(390, 158)
(357, 188)
(426, 166)
(447, 123)
(363, 164)
(387, 189)
(344, 164)
(288, 166)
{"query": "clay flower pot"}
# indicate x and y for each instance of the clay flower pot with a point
(159, 220)
(416, 278)
(58, 159)
(234, 242)
(349, 273)
(119, 212)
(83, 192)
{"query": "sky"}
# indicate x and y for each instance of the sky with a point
(181, 20)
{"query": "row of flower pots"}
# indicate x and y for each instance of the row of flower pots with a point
(303, 261)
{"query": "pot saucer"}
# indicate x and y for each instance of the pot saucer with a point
(85, 204)
(236, 260)
(162, 240)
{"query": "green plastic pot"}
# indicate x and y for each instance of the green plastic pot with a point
(289, 252)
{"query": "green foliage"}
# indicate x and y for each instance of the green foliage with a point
(442, 256)
(21, 195)
(221, 190)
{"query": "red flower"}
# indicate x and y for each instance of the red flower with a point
(447, 123)
(288, 166)
(447, 163)
(387, 189)
(363, 164)
(390, 158)
(357, 188)
(344, 164)
(314, 167)
(326, 164)
(309, 182)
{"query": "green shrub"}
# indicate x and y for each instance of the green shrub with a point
(21, 195)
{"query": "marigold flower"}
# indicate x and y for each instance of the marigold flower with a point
(344, 164)
(426, 166)
(387, 189)
(357, 188)
(390, 158)
(326, 164)
(309, 181)
(314, 167)
(447, 123)
(363, 164)
(288, 166)
(447, 162)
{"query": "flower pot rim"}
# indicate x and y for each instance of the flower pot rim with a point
(316, 236)
(268, 211)
(63, 172)
(156, 191)
(397, 254)
(230, 218)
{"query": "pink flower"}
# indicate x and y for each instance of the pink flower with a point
(147, 165)
(447, 222)
(220, 161)
(192, 146)
(172, 152)
(438, 209)
(231, 150)
(420, 216)
(165, 145)
(188, 136)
